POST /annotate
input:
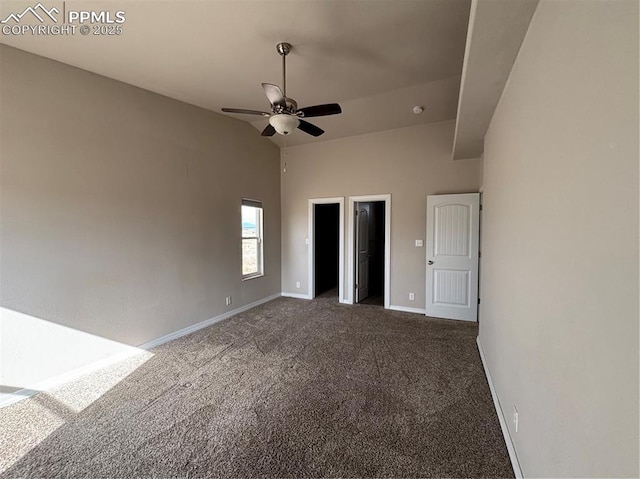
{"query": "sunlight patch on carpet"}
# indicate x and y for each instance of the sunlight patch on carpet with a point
(27, 423)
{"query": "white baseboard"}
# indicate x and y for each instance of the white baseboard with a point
(296, 295)
(503, 423)
(407, 309)
(61, 379)
(203, 324)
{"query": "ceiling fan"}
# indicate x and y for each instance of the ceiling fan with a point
(285, 116)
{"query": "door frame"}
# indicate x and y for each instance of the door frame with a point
(339, 200)
(351, 245)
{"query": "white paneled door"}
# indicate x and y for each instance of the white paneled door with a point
(453, 231)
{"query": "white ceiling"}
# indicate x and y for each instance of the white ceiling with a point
(377, 58)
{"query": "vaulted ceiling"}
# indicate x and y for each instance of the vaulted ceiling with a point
(377, 58)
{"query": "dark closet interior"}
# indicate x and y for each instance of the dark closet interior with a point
(326, 243)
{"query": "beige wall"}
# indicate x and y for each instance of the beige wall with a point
(409, 163)
(121, 208)
(559, 282)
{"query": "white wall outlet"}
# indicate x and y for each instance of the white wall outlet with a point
(419, 243)
(227, 300)
(515, 418)
(412, 297)
(306, 241)
(298, 284)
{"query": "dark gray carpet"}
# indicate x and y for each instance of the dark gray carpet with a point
(292, 388)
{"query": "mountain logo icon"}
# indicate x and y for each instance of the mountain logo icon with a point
(39, 11)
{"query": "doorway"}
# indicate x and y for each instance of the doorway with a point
(326, 247)
(369, 249)
(326, 244)
(369, 277)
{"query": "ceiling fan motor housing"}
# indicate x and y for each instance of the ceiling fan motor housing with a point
(291, 105)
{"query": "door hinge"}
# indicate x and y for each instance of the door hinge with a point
(480, 207)
(479, 254)
(478, 300)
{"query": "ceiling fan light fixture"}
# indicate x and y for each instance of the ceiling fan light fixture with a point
(283, 123)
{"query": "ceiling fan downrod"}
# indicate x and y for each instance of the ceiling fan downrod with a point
(283, 49)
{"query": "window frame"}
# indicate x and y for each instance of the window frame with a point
(259, 238)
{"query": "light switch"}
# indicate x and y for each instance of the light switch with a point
(419, 243)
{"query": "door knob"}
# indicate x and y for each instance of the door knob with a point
(429, 262)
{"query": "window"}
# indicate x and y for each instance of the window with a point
(252, 265)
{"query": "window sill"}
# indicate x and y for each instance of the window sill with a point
(252, 276)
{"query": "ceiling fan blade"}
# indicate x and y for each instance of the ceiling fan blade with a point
(320, 110)
(268, 131)
(274, 94)
(246, 112)
(309, 128)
